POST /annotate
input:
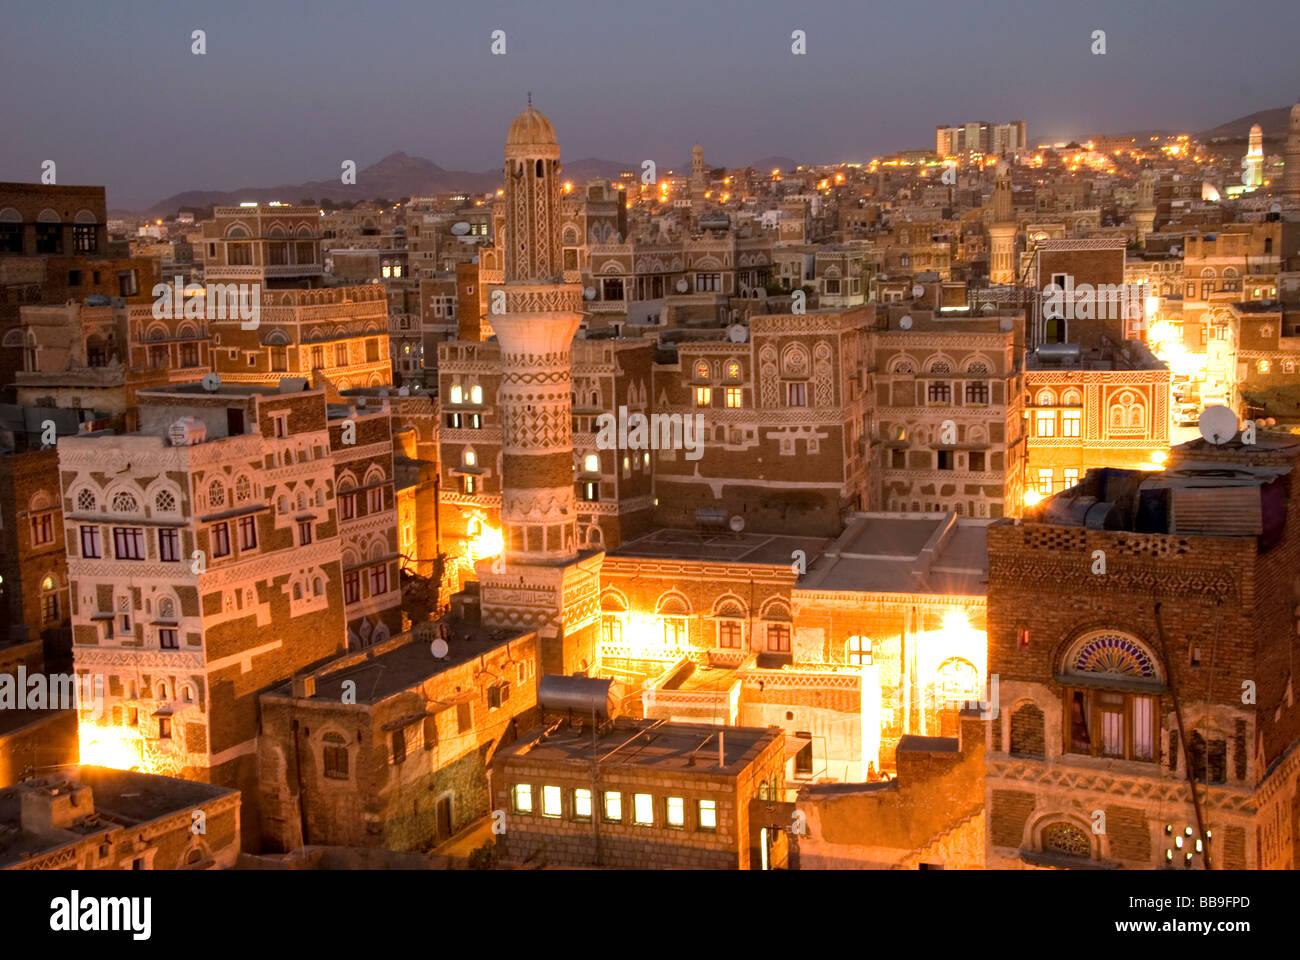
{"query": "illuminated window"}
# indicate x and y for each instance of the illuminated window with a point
(733, 370)
(476, 394)
(522, 798)
(471, 458)
(675, 812)
(1071, 423)
(613, 806)
(581, 804)
(702, 370)
(467, 484)
(858, 652)
(1045, 423)
(1264, 366)
(592, 463)
(729, 633)
(674, 631)
(551, 806)
(708, 815)
(457, 395)
(1045, 481)
(733, 398)
(643, 810)
(703, 396)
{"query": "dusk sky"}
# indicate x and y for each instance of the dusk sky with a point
(288, 90)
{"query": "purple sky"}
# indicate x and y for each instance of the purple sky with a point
(288, 88)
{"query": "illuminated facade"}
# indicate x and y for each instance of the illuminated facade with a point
(1125, 687)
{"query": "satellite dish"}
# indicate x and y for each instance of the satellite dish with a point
(737, 523)
(404, 391)
(738, 333)
(211, 383)
(1217, 424)
(905, 323)
(459, 229)
(589, 293)
(682, 285)
(438, 648)
(918, 291)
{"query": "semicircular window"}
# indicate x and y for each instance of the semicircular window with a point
(1068, 839)
(1115, 655)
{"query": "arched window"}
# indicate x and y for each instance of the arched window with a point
(164, 502)
(87, 501)
(956, 682)
(243, 489)
(1067, 839)
(124, 502)
(297, 591)
(166, 609)
(702, 370)
(1028, 732)
(857, 651)
(476, 394)
(1113, 711)
(733, 369)
(216, 494)
(317, 587)
(282, 504)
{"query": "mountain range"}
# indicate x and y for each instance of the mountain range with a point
(396, 176)
(400, 175)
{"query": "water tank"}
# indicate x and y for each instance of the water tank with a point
(187, 431)
(1058, 351)
(582, 695)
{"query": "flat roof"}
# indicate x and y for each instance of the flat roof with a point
(121, 798)
(904, 553)
(651, 744)
(721, 547)
(384, 671)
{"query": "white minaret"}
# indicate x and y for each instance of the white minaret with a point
(1252, 174)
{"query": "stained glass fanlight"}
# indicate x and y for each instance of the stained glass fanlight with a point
(1113, 654)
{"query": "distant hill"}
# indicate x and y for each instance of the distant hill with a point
(1274, 123)
(397, 175)
(774, 163)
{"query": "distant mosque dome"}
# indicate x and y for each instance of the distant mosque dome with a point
(531, 128)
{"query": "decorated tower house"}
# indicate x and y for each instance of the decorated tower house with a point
(543, 581)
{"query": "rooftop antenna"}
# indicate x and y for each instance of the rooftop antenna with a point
(530, 98)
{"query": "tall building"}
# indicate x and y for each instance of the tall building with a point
(1002, 230)
(1143, 631)
(212, 554)
(1291, 172)
(545, 584)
